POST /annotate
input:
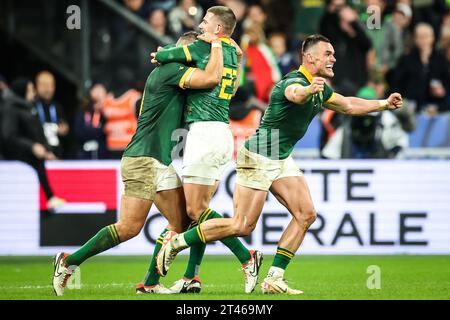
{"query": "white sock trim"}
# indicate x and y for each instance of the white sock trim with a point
(275, 272)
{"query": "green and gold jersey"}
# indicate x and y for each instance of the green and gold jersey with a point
(284, 123)
(161, 113)
(206, 104)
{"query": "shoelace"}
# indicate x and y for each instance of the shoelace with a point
(244, 267)
(64, 280)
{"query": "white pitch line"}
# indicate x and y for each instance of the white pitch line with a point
(82, 286)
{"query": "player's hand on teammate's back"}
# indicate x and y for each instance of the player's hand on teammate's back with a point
(153, 56)
(317, 85)
(207, 37)
(395, 101)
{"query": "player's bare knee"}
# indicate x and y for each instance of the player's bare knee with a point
(309, 216)
(194, 211)
(126, 231)
(241, 228)
(246, 231)
(235, 226)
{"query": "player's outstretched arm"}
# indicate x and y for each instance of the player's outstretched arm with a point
(211, 76)
(354, 106)
(300, 94)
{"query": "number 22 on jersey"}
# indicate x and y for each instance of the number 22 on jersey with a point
(227, 84)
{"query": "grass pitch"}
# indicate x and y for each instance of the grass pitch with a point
(321, 277)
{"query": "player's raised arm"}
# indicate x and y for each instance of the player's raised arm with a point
(211, 76)
(299, 94)
(354, 106)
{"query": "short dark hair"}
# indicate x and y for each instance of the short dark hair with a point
(226, 16)
(312, 40)
(188, 37)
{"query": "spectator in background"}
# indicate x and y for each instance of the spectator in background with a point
(286, 60)
(422, 75)
(239, 8)
(129, 50)
(445, 30)
(138, 7)
(166, 5)
(365, 130)
(330, 19)
(23, 136)
(341, 25)
(158, 21)
(395, 40)
(256, 15)
(50, 112)
(120, 119)
(261, 63)
(378, 135)
(186, 16)
(89, 125)
(283, 12)
(445, 44)
(375, 135)
(376, 33)
(3, 88)
(447, 55)
(304, 16)
(430, 12)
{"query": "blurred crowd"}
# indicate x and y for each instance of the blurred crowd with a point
(381, 46)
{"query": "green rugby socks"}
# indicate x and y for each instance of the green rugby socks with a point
(105, 239)
(195, 236)
(152, 276)
(280, 262)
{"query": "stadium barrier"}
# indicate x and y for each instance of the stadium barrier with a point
(364, 207)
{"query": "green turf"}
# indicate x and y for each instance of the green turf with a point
(321, 277)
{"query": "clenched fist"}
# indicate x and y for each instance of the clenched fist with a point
(395, 101)
(316, 85)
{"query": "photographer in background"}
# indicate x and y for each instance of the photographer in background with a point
(89, 125)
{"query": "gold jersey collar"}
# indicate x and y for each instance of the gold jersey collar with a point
(306, 73)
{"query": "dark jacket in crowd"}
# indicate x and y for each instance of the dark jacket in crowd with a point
(20, 127)
(412, 78)
(1, 123)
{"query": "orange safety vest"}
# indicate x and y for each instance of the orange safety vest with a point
(121, 120)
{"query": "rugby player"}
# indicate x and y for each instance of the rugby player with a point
(209, 143)
(265, 163)
(146, 168)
